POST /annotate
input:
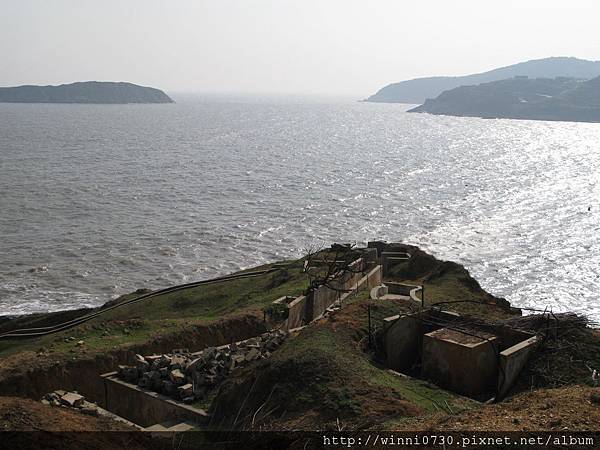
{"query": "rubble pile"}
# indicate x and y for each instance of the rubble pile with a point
(189, 376)
(70, 400)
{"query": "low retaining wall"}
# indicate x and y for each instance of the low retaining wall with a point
(408, 290)
(319, 300)
(145, 408)
(378, 291)
(305, 309)
(323, 297)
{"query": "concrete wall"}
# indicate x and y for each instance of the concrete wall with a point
(145, 408)
(371, 257)
(374, 277)
(466, 369)
(402, 336)
(484, 371)
(512, 361)
(296, 313)
(319, 300)
(390, 259)
(323, 297)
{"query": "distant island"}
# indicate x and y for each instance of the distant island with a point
(84, 92)
(420, 89)
(564, 99)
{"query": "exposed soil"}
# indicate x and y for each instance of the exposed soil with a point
(30, 374)
(23, 414)
(316, 380)
(29, 423)
(565, 409)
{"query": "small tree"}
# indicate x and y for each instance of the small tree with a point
(324, 266)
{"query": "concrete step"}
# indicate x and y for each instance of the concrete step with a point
(170, 426)
(183, 426)
(156, 427)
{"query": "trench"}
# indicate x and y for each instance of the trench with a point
(83, 375)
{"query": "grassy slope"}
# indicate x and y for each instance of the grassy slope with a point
(317, 377)
(323, 375)
(169, 313)
(445, 282)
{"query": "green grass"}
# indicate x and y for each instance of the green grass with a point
(456, 293)
(142, 321)
(327, 370)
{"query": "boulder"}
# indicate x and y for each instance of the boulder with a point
(73, 400)
(177, 377)
(210, 352)
(195, 365)
(141, 364)
(252, 355)
(177, 362)
(168, 387)
(181, 351)
(129, 374)
(162, 361)
(185, 391)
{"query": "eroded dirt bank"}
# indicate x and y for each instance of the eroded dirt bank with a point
(31, 375)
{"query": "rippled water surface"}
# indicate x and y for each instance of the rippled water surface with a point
(99, 200)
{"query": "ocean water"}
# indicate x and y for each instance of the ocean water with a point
(99, 200)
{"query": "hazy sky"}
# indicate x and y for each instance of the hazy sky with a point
(283, 46)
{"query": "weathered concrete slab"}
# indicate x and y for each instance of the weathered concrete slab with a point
(461, 362)
(512, 361)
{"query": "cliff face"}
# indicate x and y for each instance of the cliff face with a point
(564, 99)
(84, 92)
(420, 89)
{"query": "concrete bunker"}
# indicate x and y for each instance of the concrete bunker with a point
(458, 353)
(295, 312)
(391, 259)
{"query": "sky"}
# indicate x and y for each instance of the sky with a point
(337, 47)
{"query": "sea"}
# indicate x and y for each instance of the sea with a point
(100, 200)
